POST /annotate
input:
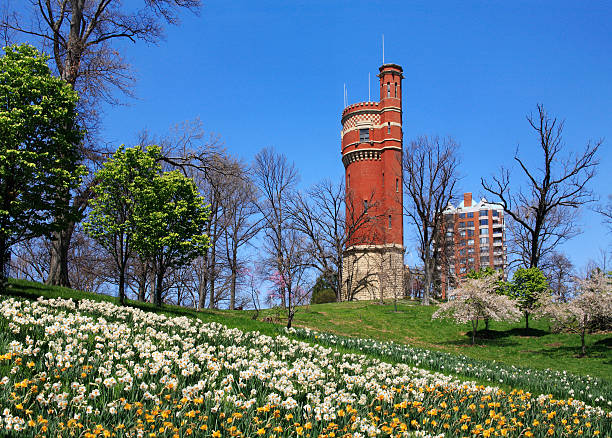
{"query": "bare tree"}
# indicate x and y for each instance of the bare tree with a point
(80, 35)
(559, 271)
(606, 211)
(544, 213)
(430, 176)
(276, 179)
(242, 226)
(320, 215)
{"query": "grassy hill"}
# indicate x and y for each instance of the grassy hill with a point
(410, 324)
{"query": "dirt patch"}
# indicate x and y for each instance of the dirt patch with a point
(554, 344)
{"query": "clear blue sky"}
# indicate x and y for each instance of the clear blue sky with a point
(272, 74)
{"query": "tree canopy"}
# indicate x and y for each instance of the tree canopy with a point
(528, 287)
(38, 148)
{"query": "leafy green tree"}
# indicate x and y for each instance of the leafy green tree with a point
(39, 153)
(528, 287)
(170, 224)
(121, 184)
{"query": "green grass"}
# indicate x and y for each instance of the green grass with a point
(411, 324)
(503, 342)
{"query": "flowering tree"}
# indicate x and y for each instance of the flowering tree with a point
(593, 300)
(475, 299)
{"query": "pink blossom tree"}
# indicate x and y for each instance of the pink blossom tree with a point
(593, 299)
(475, 299)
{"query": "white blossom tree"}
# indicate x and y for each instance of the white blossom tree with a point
(476, 299)
(593, 299)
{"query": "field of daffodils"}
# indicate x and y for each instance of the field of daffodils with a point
(103, 370)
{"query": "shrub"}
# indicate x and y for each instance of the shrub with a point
(322, 296)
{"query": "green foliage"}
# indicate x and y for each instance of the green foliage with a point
(482, 273)
(171, 220)
(120, 190)
(39, 152)
(528, 287)
(322, 296)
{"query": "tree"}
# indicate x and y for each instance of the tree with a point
(487, 272)
(430, 176)
(593, 300)
(528, 288)
(276, 179)
(606, 211)
(121, 184)
(81, 35)
(320, 215)
(38, 156)
(544, 213)
(475, 299)
(170, 224)
(558, 269)
(241, 227)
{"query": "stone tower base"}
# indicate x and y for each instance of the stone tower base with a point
(370, 271)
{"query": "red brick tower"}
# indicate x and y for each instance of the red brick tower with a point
(372, 154)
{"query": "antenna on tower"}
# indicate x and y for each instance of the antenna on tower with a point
(383, 47)
(369, 99)
(345, 96)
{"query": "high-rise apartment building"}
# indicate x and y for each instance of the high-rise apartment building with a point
(474, 238)
(371, 153)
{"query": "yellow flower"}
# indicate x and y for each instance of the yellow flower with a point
(261, 431)
(216, 434)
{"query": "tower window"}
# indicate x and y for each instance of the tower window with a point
(397, 184)
(365, 205)
(388, 89)
(396, 89)
(388, 127)
(348, 180)
(389, 221)
(364, 135)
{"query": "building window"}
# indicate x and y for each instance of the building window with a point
(397, 184)
(470, 241)
(484, 240)
(470, 224)
(484, 221)
(470, 250)
(365, 206)
(483, 213)
(461, 215)
(389, 221)
(470, 214)
(388, 127)
(470, 233)
(388, 89)
(383, 179)
(495, 213)
(484, 231)
(461, 224)
(462, 233)
(364, 135)
(396, 89)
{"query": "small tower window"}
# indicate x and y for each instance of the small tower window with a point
(365, 205)
(388, 127)
(348, 180)
(364, 135)
(389, 221)
(397, 184)
(396, 89)
(388, 89)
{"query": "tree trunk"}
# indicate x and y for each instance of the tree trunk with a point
(527, 320)
(582, 335)
(58, 268)
(5, 258)
(159, 283)
(474, 328)
(122, 285)
(233, 290)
